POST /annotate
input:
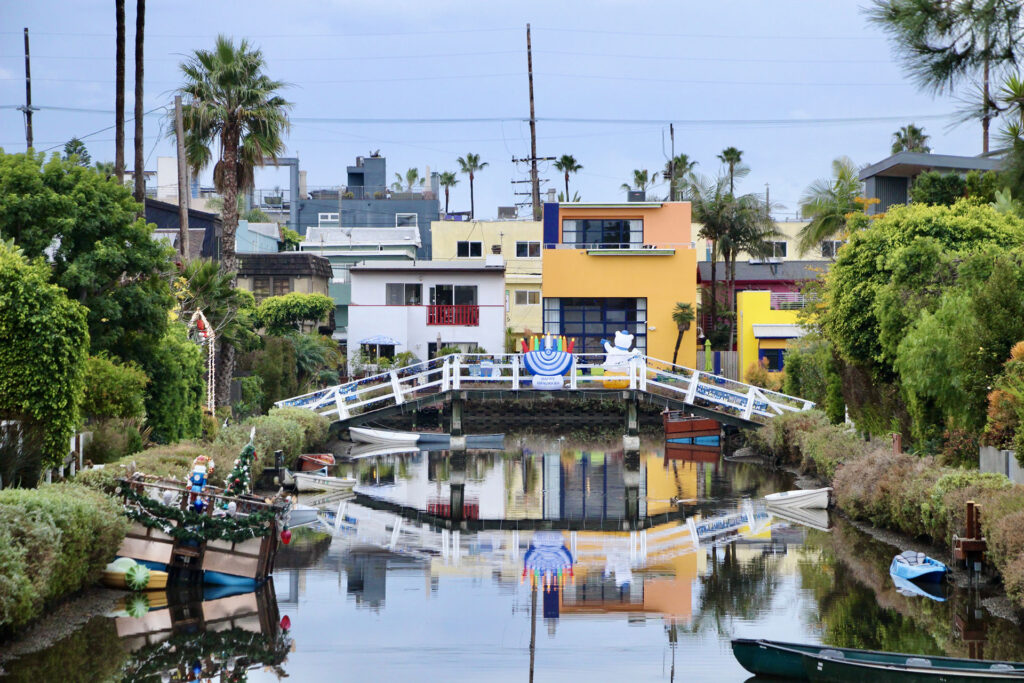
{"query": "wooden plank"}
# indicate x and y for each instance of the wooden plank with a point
(144, 549)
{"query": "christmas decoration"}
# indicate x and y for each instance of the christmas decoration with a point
(239, 481)
(187, 525)
(286, 623)
(137, 577)
(286, 536)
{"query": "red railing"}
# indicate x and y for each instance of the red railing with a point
(453, 315)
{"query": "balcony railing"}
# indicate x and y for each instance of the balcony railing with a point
(788, 301)
(468, 315)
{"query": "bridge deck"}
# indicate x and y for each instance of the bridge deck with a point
(503, 376)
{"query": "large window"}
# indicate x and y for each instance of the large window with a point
(588, 321)
(604, 233)
(779, 249)
(527, 297)
(829, 248)
(401, 294)
(527, 249)
(453, 295)
(469, 249)
(771, 359)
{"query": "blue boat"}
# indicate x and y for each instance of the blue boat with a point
(913, 566)
(927, 589)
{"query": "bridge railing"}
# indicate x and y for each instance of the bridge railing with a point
(587, 371)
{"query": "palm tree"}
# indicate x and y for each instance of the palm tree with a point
(682, 316)
(567, 164)
(412, 176)
(731, 157)
(677, 169)
(710, 207)
(1011, 95)
(140, 151)
(105, 168)
(119, 95)
(910, 138)
(448, 180)
(828, 202)
(228, 99)
(642, 180)
(469, 165)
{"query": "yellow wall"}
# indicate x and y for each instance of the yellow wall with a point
(662, 279)
(755, 308)
(790, 235)
(520, 273)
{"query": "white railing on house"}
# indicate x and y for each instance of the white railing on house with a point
(785, 301)
(506, 371)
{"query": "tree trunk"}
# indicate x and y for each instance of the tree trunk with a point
(566, 187)
(229, 222)
(472, 206)
(732, 299)
(446, 199)
(224, 371)
(985, 119)
(140, 154)
(714, 291)
(119, 95)
(675, 354)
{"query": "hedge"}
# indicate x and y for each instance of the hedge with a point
(54, 541)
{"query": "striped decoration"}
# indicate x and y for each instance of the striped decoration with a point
(548, 362)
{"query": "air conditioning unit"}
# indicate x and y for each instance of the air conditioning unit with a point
(637, 196)
(507, 212)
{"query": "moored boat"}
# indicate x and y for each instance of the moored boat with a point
(927, 589)
(913, 566)
(801, 498)
(425, 440)
(307, 481)
(385, 436)
(315, 461)
(372, 450)
(823, 663)
(815, 518)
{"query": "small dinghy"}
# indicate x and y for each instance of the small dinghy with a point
(815, 499)
(309, 462)
(387, 437)
(914, 566)
(299, 514)
(309, 481)
(932, 590)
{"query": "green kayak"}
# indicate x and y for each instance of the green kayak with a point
(824, 663)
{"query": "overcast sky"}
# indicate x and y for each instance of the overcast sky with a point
(713, 68)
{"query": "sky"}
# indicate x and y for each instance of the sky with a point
(770, 78)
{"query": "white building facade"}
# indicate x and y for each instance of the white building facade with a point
(422, 306)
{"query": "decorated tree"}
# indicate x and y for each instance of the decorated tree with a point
(239, 480)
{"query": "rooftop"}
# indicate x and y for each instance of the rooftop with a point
(434, 266)
(359, 237)
(290, 263)
(783, 271)
(909, 164)
(778, 331)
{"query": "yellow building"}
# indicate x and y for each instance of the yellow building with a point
(764, 331)
(611, 267)
(520, 245)
(785, 246)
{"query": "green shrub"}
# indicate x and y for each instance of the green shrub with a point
(272, 433)
(252, 396)
(177, 369)
(114, 438)
(54, 541)
(315, 426)
(113, 389)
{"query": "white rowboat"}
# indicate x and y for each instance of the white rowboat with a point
(306, 481)
(385, 436)
(802, 498)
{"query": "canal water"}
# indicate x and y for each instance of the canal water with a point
(554, 560)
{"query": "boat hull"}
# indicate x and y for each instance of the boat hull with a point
(309, 462)
(763, 660)
(842, 670)
(305, 482)
(815, 499)
(933, 570)
(382, 436)
(222, 579)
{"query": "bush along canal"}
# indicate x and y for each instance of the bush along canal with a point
(554, 558)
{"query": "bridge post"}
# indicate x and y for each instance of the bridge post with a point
(515, 372)
(631, 439)
(340, 403)
(572, 374)
(641, 367)
(456, 371)
(748, 411)
(631, 481)
(456, 421)
(396, 388)
(691, 391)
(457, 487)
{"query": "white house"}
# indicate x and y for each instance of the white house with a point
(421, 306)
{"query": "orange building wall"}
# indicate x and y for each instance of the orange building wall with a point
(664, 225)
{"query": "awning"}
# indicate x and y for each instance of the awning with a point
(380, 339)
(778, 331)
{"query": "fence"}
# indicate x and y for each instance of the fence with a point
(730, 363)
(991, 459)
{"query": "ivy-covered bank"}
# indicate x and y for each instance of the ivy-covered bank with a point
(912, 494)
(54, 541)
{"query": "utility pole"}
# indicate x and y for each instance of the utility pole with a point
(28, 109)
(768, 198)
(179, 133)
(672, 163)
(119, 95)
(533, 132)
(140, 155)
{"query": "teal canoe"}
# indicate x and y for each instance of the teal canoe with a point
(824, 663)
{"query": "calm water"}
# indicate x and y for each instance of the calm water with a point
(573, 561)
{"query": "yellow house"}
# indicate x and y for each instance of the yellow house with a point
(520, 245)
(785, 246)
(612, 267)
(765, 331)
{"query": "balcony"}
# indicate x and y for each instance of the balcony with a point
(467, 315)
(788, 301)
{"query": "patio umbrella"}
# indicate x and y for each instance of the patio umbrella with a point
(379, 341)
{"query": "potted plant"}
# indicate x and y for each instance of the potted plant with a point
(349, 195)
(683, 316)
(378, 195)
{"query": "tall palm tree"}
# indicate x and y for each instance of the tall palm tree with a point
(229, 100)
(683, 316)
(677, 169)
(827, 202)
(732, 157)
(447, 180)
(119, 95)
(140, 151)
(567, 164)
(710, 207)
(469, 165)
(642, 180)
(910, 138)
(412, 176)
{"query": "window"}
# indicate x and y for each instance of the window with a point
(340, 273)
(527, 249)
(282, 286)
(591, 320)
(453, 295)
(327, 220)
(779, 249)
(606, 234)
(527, 297)
(400, 294)
(406, 220)
(469, 249)
(771, 359)
(373, 352)
(261, 288)
(829, 248)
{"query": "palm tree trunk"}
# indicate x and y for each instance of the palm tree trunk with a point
(228, 260)
(224, 371)
(140, 153)
(714, 291)
(119, 95)
(446, 200)
(567, 187)
(679, 339)
(732, 299)
(472, 206)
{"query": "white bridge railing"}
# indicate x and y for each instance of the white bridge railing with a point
(507, 371)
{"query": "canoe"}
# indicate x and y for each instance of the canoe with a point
(314, 461)
(824, 663)
(384, 436)
(306, 481)
(802, 498)
(915, 566)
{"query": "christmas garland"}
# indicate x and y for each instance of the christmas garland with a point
(195, 526)
(228, 652)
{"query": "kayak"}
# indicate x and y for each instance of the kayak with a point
(913, 566)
